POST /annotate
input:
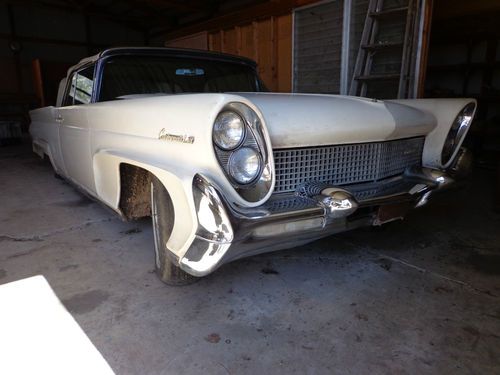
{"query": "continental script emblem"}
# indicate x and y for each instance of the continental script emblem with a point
(164, 136)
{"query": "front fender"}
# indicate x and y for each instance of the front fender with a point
(106, 164)
(445, 111)
(151, 133)
(155, 127)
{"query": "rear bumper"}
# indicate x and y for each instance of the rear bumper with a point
(226, 232)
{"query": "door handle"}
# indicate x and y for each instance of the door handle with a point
(59, 118)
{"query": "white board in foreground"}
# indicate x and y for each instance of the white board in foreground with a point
(39, 336)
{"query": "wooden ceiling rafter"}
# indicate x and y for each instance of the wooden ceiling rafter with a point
(95, 12)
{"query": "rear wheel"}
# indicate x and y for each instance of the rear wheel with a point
(162, 215)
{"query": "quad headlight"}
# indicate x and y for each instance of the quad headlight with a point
(457, 131)
(229, 130)
(245, 165)
(243, 152)
(238, 149)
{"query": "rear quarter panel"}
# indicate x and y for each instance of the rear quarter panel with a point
(44, 132)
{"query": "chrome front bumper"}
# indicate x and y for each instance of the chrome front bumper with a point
(226, 232)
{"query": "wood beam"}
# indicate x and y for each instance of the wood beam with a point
(184, 5)
(34, 39)
(426, 36)
(38, 82)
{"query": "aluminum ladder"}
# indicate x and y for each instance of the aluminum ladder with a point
(370, 46)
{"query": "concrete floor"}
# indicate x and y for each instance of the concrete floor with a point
(420, 296)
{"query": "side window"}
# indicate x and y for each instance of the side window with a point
(80, 89)
(70, 94)
(84, 85)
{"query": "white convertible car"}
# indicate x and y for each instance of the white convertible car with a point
(228, 170)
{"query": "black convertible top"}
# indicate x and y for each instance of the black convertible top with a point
(180, 52)
(165, 51)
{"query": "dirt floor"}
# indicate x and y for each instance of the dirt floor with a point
(418, 296)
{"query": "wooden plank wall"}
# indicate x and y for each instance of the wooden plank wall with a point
(197, 41)
(267, 41)
(262, 32)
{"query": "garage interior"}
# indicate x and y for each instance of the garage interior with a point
(420, 295)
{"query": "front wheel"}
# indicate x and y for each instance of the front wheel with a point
(162, 215)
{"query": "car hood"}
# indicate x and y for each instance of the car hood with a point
(301, 120)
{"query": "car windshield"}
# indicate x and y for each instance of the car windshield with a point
(126, 76)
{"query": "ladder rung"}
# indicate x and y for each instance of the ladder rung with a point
(389, 12)
(377, 46)
(378, 77)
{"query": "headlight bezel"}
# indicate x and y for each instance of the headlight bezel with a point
(456, 133)
(257, 139)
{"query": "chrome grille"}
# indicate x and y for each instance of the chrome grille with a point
(345, 164)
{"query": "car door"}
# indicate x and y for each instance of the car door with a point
(74, 132)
